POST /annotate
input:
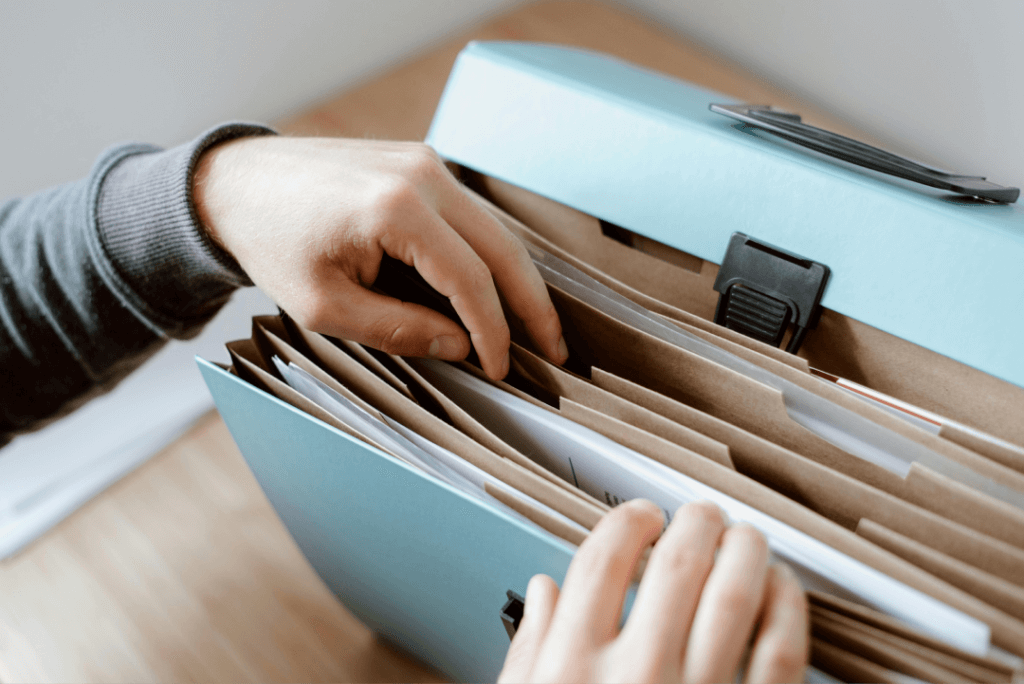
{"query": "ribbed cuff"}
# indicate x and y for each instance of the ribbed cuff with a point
(163, 260)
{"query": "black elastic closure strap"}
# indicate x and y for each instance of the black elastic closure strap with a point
(512, 612)
(763, 289)
(789, 126)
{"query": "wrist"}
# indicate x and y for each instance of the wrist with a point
(146, 220)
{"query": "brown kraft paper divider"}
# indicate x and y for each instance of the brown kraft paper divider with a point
(1010, 455)
(881, 650)
(869, 617)
(567, 386)
(688, 287)
(677, 434)
(397, 406)
(336, 360)
(849, 667)
(735, 344)
(993, 590)
(364, 357)
(501, 384)
(1007, 631)
(244, 355)
(968, 506)
(275, 345)
(958, 666)
(706, 385)
(953, 451)
(840, 345)
(534, 514)
(471, 427)
(655, 447)
(274, 324)
(834, 495)
(695, 324)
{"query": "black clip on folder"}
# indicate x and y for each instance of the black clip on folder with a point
(787, 125)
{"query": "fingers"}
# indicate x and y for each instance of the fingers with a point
(595, 586)
(780, 647)
(452, 268)
(512, 268)
(355, 313)
(728, 607)
(659, 623)
(541, 597)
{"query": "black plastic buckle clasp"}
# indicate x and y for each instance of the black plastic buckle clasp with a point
(764, 289)
(512, 612)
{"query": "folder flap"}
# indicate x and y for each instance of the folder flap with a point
(357, 516)
(642, 151)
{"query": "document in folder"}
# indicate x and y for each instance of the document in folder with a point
(854, 498)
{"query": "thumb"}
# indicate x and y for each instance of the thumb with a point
(394, 327)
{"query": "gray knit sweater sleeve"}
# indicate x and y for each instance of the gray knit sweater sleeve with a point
(96, 275)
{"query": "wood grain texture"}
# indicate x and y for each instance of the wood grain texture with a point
(182, 571)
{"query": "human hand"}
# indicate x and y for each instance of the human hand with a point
(309, 220)
(694, 615)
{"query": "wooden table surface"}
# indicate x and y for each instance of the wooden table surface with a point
(182, 571)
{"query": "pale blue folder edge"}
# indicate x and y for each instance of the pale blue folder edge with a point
(641, 150)
(415, 560)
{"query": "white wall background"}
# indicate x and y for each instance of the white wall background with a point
(78, 75)
(936, 78)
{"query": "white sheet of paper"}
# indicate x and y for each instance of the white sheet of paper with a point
(614, 473)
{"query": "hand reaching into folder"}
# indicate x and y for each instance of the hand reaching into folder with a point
(309, 221)
(693, 617)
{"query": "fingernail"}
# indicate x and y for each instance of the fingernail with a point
(504, 365)
(647, 505)
(563, 350)
(445, 347)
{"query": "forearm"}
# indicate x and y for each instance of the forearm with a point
(97, 274)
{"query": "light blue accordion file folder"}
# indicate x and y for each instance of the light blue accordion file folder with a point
(428, 567)
(414, 559)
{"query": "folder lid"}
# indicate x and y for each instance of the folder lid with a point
(643, 151)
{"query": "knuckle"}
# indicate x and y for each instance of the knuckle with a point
(393, 337)
(512, 249)
(478, 275)
(396, 197)
(422, 163)
(502, 336)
